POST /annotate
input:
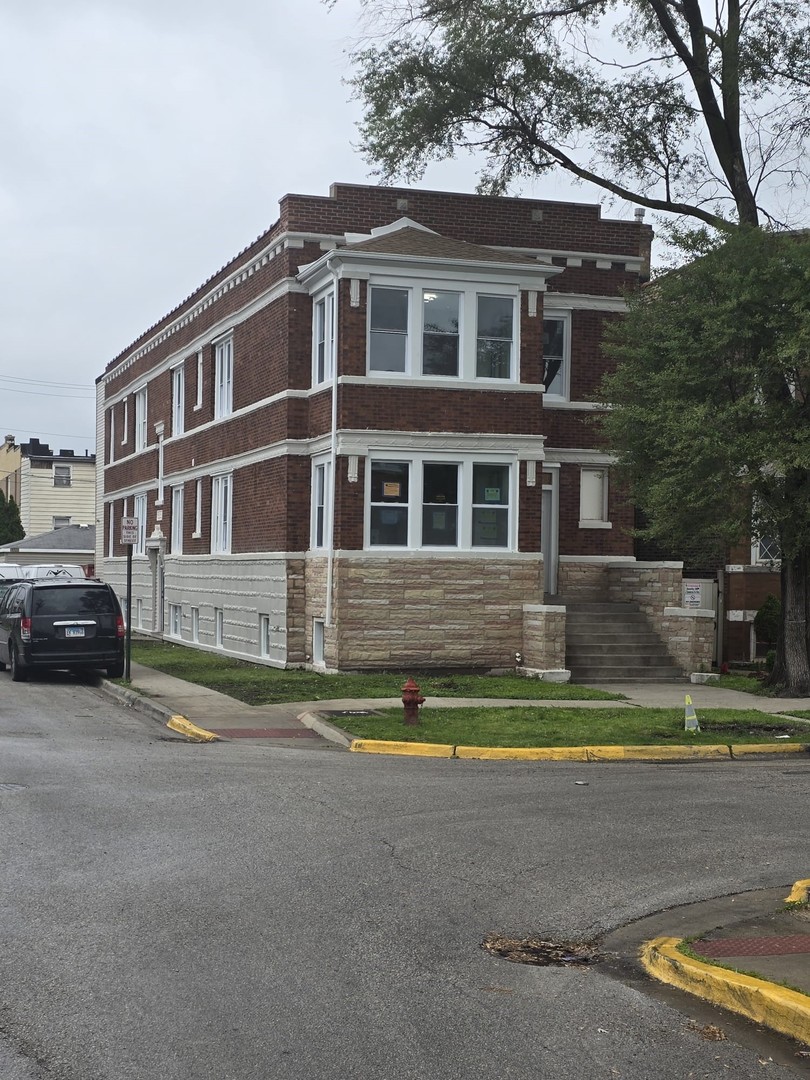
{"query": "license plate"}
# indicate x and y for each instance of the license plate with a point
(74, 631)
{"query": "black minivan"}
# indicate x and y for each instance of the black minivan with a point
(65, 623)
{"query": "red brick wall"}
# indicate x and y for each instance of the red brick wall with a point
(576, 541)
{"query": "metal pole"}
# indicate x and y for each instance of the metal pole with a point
(128, 645)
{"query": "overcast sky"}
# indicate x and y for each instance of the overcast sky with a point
(146, 142)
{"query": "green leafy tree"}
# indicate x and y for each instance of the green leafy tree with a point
(10, 525)
(711, 417)
(677, 105)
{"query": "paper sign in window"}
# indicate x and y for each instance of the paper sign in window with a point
(492, 494)
(391, 490)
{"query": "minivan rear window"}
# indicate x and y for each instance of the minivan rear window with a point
(72, 601)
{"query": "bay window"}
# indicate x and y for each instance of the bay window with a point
(388, 336)
(440, 332)
(424, 502)
(323, 339)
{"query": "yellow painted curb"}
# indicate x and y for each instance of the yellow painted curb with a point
(191, 731)
(408, 749)
(591, 753)
(778, 1008)
(800, 893)
(740, 749)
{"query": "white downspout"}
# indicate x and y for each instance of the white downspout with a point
(330, 559)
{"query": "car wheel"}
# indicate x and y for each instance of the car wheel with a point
(115, 671)
(18, 673)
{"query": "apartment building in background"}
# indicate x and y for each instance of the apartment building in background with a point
(52, 488)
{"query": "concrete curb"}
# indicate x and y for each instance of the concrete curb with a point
(572, 753)
(164, 716)
(776, 1007)
(185, 727)
(315, 722)
(800, 893)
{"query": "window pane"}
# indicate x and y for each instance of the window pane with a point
(490, 528)
(491, 485)
(389, 481)
(494, 359)
(495, 317)
(389, 310)
(389, 526)
(439, 354)
(440, 336)
(388, 351)
(440, 310)
(440, 510)
(553, 355)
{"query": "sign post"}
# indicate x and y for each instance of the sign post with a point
(129, 536)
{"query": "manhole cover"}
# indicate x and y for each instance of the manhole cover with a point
(541, 952)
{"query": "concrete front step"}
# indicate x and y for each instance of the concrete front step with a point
(608, 642)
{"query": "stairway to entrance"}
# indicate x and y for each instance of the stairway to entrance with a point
(613, 642)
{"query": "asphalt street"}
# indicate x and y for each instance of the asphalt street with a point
(242, 912)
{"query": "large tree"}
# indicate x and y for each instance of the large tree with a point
(695, 109)
(711, 411)
(10, 526)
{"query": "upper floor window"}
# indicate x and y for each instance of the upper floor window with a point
(223, 378)
(125, 425)
(442, 333)
(766, 550)
(323, 339)
(61, 476)
(111, 414)
(556, 356)
(200, 371)
(496, 320)
(141, 433)
(221, 508)
(429, 503)
(60, 522)
(178, 400)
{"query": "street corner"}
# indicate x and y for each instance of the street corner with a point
(193, 733)
(779, 1008)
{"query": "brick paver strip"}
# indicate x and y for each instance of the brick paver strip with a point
(758, 946)
(265, 733)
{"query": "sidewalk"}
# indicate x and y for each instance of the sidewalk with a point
(763, 948)
(165, 696)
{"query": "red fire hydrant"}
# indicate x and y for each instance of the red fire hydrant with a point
(411, 700)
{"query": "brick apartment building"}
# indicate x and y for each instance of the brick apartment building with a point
(341, 452)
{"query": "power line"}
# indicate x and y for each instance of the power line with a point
(44, 382)
(39, 393)
(65, 435)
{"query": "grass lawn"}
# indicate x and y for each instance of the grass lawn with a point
(259, 685)
(744, 683)
(547, 726)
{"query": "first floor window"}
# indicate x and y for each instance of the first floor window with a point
(219, 627)
(195, 624)
(593, 497)
(264, 635)
(139, 511)
(425, 503)
(318, 650)
(320, 502)
(390, 483)
(177, 520)
(495, 333)
(221, 503)
(175, 620)
(198, 509)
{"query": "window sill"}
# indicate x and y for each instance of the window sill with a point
(196, 408)
(196, 536)
(596, 524)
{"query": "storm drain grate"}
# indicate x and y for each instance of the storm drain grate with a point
(538, 951)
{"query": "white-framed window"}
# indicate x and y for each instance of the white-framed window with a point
(219, 627)
(318, 649)
(198, 510)
(111, 414)
(221, 507)
(195, 624)
(138, 613)
(141, 430)
(139, 511)
(111, 532)
(323, 339)
(765, 549)
(425, 330)
(62, 476)
(264, 635)
(60, 521)
(125, 425)
(557, 355)
(428, 501)
(319, 527)
(200, 378)
(593, 498)
(177, 520)
(178, 400)
(223, 378)
(175, 620)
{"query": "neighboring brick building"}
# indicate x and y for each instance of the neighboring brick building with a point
(339, 446)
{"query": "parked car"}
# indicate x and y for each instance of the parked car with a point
(6, 583)
(63, 623)
(11, 572)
